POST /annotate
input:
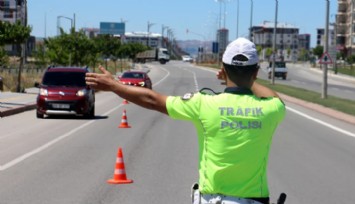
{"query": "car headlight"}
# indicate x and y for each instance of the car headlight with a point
(142, 83)
(43, 92)
(82, 92)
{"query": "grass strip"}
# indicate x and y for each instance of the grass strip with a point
(336, 103)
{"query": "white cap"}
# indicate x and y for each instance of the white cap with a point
(241, 46)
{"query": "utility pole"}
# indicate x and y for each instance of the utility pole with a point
(74, 19)
(237, 18)
(351, 28)
(325, 66)
(335, 43)
(274, 47)
(251, 20)
(23, 7)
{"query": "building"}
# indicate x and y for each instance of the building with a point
(287, 40)
(91, 32)
(222, 39)
(321, 36)
(12, 11)
(304, 41)
(344, 23)
(151, 39)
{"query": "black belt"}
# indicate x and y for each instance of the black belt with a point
(261, 200)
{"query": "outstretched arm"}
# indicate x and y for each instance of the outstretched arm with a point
(141, 96)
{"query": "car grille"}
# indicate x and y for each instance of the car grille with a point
(60, 105)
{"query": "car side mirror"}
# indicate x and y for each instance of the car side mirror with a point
(37, 85)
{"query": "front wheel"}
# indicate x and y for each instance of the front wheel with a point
(39, 115)
(90, 114)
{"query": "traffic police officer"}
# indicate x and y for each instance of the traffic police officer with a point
(234, 128)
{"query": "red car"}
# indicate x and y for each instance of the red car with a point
(136, 78)
(63, 91)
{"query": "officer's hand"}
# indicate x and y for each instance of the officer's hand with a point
(221, 75)
(104, 81)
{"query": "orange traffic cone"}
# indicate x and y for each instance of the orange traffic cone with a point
(125, 101)
(119, 176)
(124, 123)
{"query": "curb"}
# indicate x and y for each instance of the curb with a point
(12, 111)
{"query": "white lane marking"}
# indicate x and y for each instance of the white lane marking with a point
(195, 79)
(70, 133)
(167, 74)
(322, 122)
(41, 148)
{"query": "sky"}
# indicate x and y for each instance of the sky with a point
(187, 19)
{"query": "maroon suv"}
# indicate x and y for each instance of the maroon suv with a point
(63, 91)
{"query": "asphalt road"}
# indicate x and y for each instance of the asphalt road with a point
(69, 160)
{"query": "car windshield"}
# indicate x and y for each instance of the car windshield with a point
(279, 64)
(64, 79)
(132, 75)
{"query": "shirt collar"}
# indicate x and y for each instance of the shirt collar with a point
(238, 90)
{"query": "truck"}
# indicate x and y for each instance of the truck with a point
(157, 54)
(280, 69)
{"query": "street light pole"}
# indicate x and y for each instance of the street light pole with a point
(220, 13)
(58, 22)
(162, 34)
(237, 18)
(274, 46)
(251, 19)
(149, 25)
(351, 28)
(325, 67)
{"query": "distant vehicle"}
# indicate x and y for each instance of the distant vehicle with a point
(157, 54)
(280, 69)
(63, 91)
(187, 58)
(136, 78)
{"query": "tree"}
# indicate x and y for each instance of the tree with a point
(259, 49)
(269, 52)
(135, 48)
(351, 60)
(288, 52)
(109, 47)
(318, 51)
(74, 48)
(40, 55)
(15, 34)
(77, 49)
(4, 59)
(303, 56)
